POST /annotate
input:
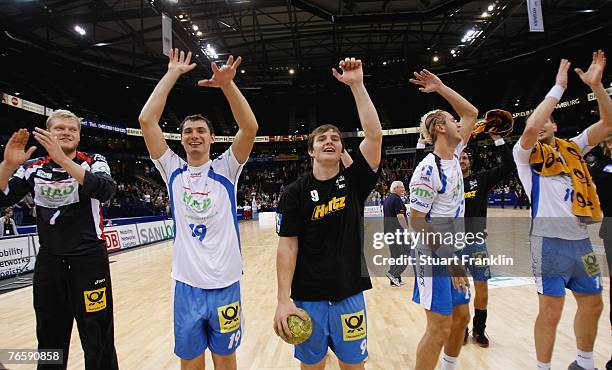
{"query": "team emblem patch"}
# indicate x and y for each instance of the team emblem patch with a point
(590, 264)
(95, 300)
(229, 317)
(353, 326)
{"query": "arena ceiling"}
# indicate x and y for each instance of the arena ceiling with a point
(275, 36)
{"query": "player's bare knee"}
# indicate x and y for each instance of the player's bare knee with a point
(550, 315)
(591, 305)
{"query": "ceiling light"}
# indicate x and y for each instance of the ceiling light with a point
(210, 52)
(199, 33)
(453, 51)
(384, 63)
(485, 14)
(17, 94)
(435, 58)
(242, 71)
(195, 27)
(291, 71)
(80, 30)
(491, 7)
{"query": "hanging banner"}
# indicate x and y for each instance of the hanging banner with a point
(166, 34)
(534, 12)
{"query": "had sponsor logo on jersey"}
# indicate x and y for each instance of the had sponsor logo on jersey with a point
(56, 191)
(229, 317)
(473, 183)
(197, 202)
(95, 300)
(470, 194)
(334, 205)
(422, 193)
(353, 326)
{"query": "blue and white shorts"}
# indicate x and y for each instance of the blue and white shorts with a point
(558, 264)
(206, 318)
(341, 326)
(433, 286)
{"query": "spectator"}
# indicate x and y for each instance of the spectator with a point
(9, 227)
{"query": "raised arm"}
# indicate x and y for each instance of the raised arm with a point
(592, 78)
(419, 152)
(468, 113)
(13, 189)
(14, 155)
(245, 119)
(154, 107)
(542, 113)
(352, 76)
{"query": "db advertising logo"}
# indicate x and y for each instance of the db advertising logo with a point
(111, 238)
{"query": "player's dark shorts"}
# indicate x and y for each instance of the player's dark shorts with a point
(476, 253)
(68, 288)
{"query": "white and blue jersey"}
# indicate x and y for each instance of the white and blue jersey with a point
(561, 253)
(206, 251)
(551, 196)
(436, 189)
(436, 186)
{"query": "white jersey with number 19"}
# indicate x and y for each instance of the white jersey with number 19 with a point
(206, 252)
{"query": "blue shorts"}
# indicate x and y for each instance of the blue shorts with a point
(206, 318)
(558, 264)
(340, 326)
(433, 286)
(476, 251)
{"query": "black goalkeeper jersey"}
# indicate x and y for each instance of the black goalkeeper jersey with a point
(326, 216)
(68, 215)
(477, 188)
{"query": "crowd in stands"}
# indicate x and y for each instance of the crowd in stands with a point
(260, 184)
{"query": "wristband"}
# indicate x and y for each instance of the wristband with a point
(556, 92)
(420, 146)
(500, 142)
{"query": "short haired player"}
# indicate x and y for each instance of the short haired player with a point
(320, 258)
(206, 257)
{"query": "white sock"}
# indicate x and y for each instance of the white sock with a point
(585, 360)
(543, 366)
(448, 362)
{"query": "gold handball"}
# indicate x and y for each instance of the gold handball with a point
(300, 329)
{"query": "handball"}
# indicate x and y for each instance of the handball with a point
(300, 329)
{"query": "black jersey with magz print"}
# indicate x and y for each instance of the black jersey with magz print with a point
(68, 215)
(326, 216)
